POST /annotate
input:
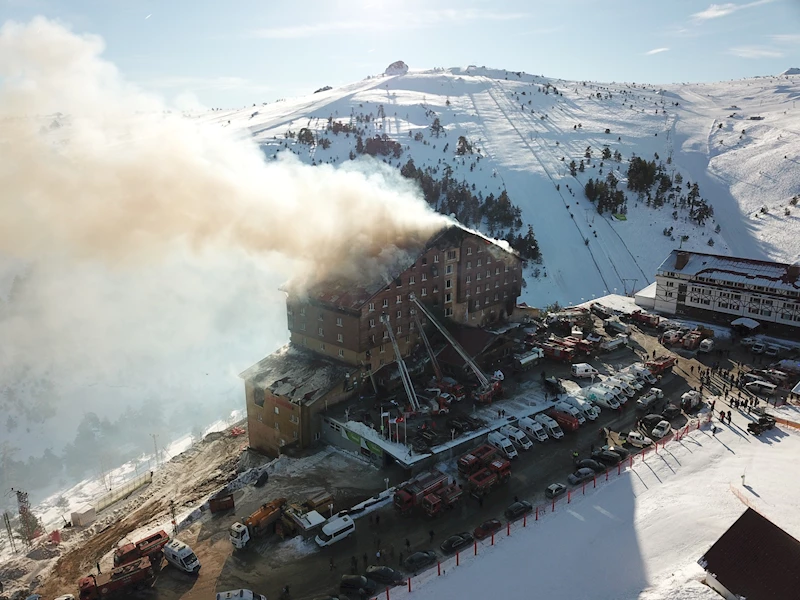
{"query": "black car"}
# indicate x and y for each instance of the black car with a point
(590, 463)
(671, 412)
(358, 584)
(623, 453)
(385, 575)
(456, 542)
(606, 457)
(518, 509)
(419, 560)
(650, 421)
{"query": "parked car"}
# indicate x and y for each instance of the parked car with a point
(670, 412)
(639, 440)
(660, 430)
(623, 453)
(385, 575)
(359, 584)
(606, 457)
(590, 463)
(758, 348)
(554, 385)
(580, 475)
(650, 421)
(554, 490)
(456, 542)
(419, 560)
(487, 528)
(748, 341)
(518, 509)
(772, 350)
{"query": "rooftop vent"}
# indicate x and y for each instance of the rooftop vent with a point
(681, 260)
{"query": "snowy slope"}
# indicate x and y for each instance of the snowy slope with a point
(522, 134)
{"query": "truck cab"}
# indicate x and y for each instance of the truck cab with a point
(180, 556)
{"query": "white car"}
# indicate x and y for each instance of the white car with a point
(638, 440)
(660, 430)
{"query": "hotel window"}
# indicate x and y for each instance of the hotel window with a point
(488, 260)
(497, 270)
(468, 279)
(399, 314)
(277, 426)
(436, 258)
(338, 321)
(496, 283)
(469, 264)
(448, 269)
(436, 289)
(468, 293)
(302, 326)
(488, 273)
(371, 307)
(424, 292)
(448, 298)
(319, 331)
(399, 299)
(277, 412)
(424, 277)
(480, 262)
(321, 317)
(448, 283)
(340, 338)
(451, 255)
(398, 282)
(477, 289)
(448, 312)
(322, 347)
(469, 251)
(303, 312)
(341, 353)
(383, 348)
(506, 269)
(478, 277)
(385, 303)
(399, 329)
(496, 297)
(411, 280)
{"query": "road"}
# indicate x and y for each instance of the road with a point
(273, 564)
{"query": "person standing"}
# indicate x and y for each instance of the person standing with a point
(431, 534)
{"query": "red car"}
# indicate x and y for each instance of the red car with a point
(487, 528)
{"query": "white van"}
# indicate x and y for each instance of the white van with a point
(631, 380)
(502, 443)
(179, 555)
(622, 385)
(602, 397)
(584, 370)
(589, 411)
(516, 436)
(240, 595)
(643, 373)
(615, 391)
(335, 529)
(550, 426)
(532, 428)
(571, 410)
(762, 388)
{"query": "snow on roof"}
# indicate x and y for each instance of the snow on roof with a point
(756, 559)
(746, 322)
(729, 269)
(647, 292)
(297, 374)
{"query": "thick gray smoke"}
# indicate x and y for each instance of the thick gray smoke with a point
(149, 248)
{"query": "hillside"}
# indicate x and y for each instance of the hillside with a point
(738, 141)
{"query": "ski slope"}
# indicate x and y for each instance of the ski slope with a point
(523, 134)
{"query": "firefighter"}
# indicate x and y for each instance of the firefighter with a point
(575, 455)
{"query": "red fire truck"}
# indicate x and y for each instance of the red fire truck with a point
(476, 459)
(493, 474)
(131, 575)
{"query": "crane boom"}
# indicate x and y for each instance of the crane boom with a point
(435, 363)
(408, 385)
(482, 379)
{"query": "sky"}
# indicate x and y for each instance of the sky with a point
(199, 52)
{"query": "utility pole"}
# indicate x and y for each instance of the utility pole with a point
(155, 447)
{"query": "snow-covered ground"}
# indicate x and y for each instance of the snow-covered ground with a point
(639, 535)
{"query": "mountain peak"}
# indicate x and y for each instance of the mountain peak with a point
(791, 71)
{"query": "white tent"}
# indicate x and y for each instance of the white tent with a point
(746, 322)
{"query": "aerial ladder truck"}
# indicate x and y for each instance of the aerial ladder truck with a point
(487, 390)
(408, 385)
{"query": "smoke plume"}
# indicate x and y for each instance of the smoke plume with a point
(148, 247)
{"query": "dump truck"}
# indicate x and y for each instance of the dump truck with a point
(660, 364)
(476, 459)
(441, 499)
(493, 474)
(132, 575)
(152, 546)
(259, 523)
(412, 493)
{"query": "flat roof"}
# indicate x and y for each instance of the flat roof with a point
(733, 270)
(297, 374)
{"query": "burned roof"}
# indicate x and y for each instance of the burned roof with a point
(354, 294)
(756, 559)
(297, 374)
(733, 270)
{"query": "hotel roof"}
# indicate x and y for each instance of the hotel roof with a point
(733, 270)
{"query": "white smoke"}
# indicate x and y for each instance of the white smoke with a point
(153, 245)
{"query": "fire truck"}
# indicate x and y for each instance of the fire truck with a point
(134, 574)
(493, 474)
(413, 492)
(476, 459)
(441, 499)
(660, 364)
(558, 353)
(152, 546)
(566, 421)
(645, 319)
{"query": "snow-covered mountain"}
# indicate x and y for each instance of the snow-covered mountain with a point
(739, 141)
